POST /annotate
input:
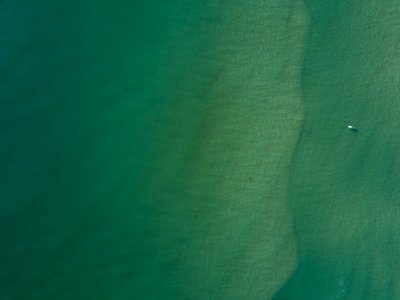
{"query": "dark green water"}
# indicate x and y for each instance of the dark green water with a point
(198, 150)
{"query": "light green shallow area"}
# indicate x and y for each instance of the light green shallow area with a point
(146, 148)
(198, 149)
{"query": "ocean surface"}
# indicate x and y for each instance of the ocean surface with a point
(199, 150)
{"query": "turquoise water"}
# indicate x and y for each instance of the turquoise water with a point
(198, 150)
(344, 193)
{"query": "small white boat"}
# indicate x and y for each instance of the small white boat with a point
(352, 128)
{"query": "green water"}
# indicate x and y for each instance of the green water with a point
(344, 192)
(198, 150)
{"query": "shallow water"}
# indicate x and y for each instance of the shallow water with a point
(198, 150)
(145, 149)
(343, 189)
